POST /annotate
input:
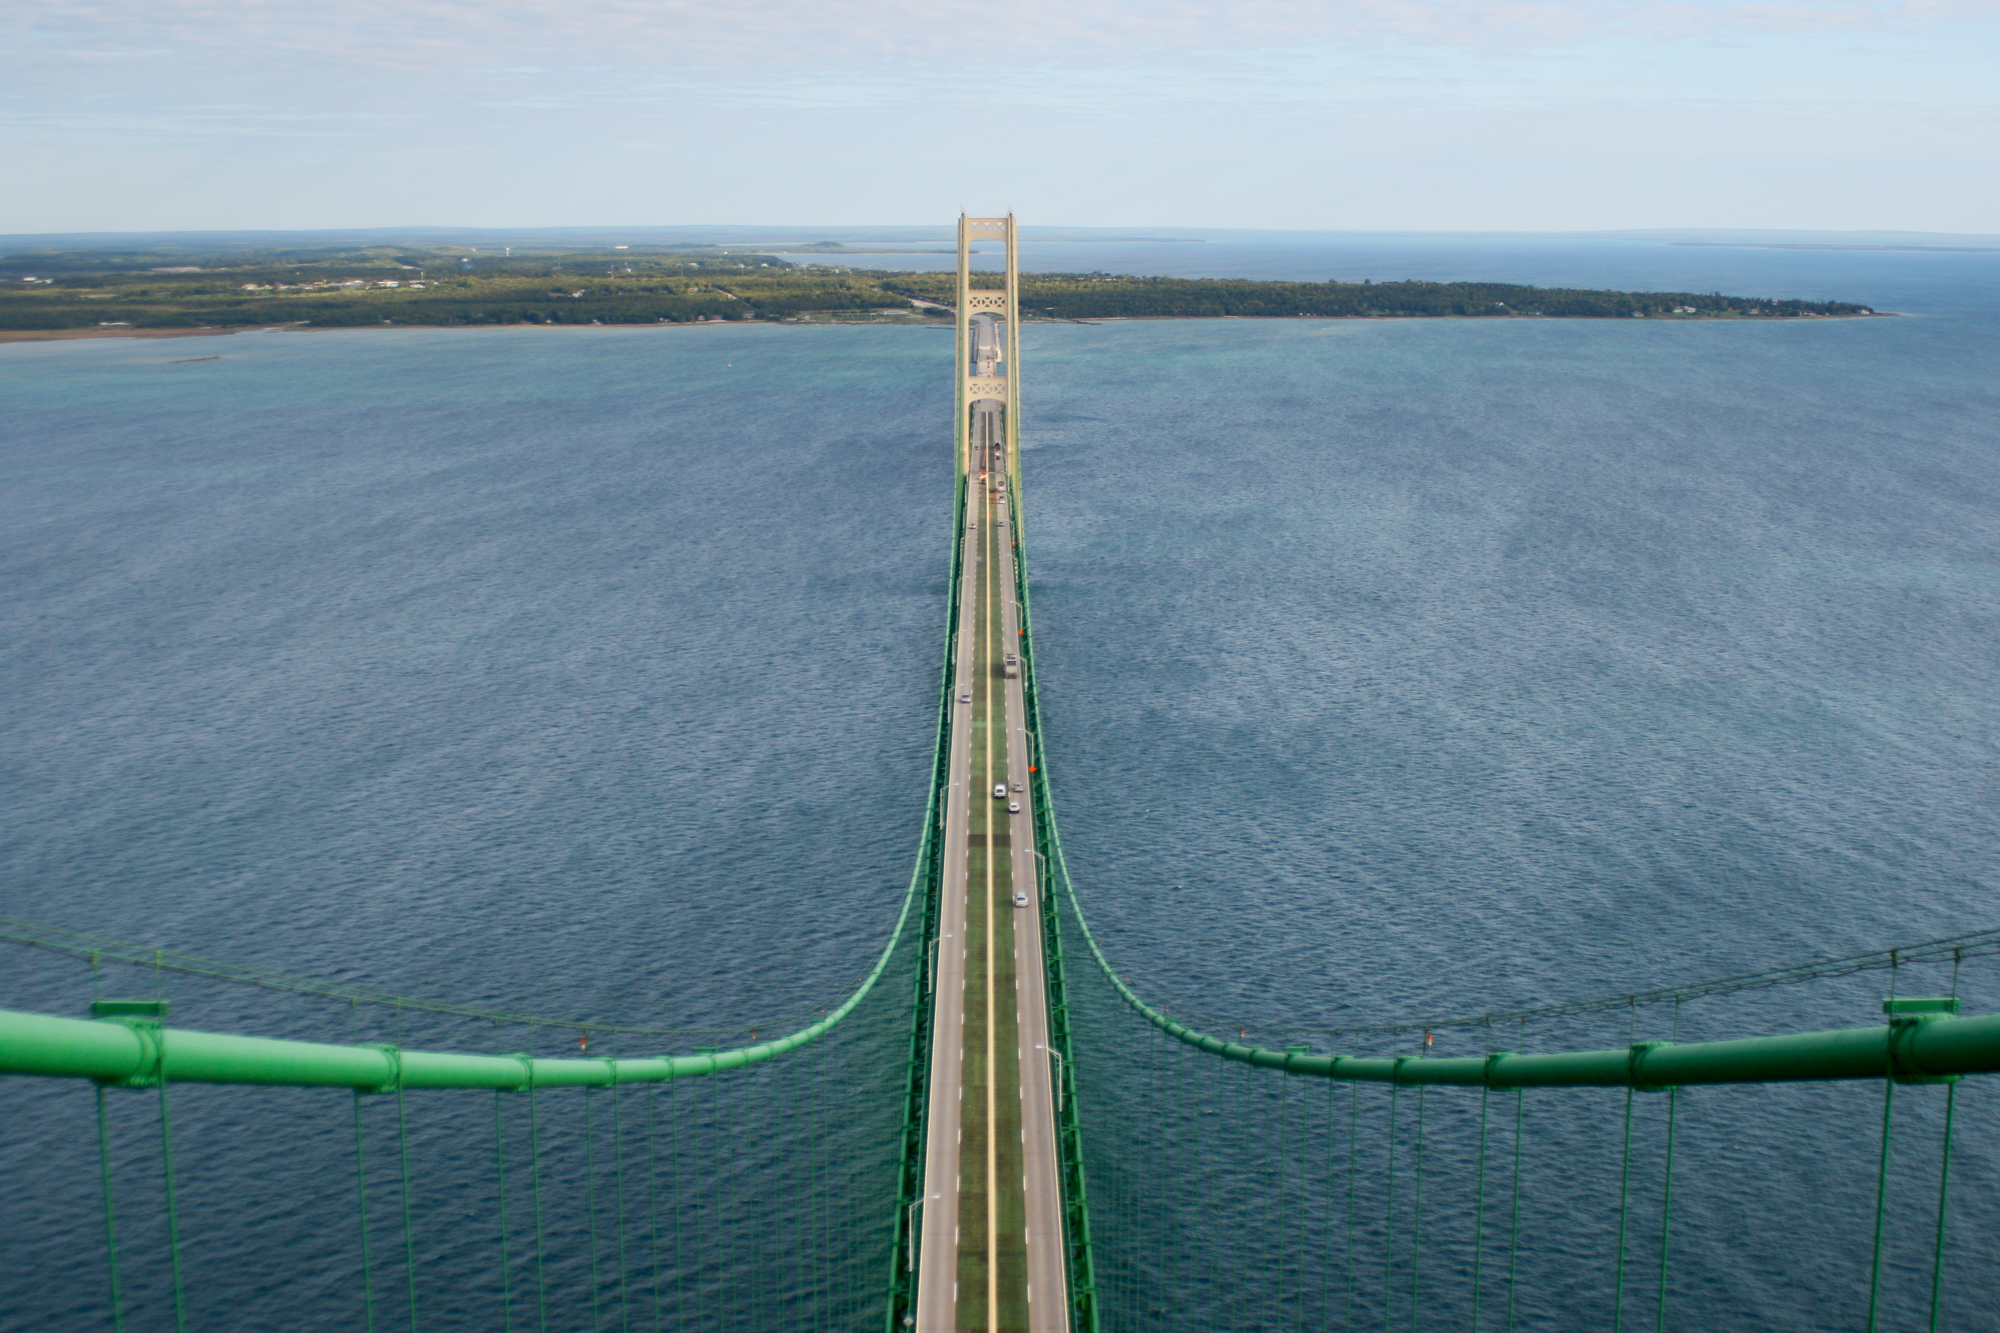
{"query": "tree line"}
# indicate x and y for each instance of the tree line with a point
(1106, 296)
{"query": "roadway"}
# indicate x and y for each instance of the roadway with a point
(991, 1252)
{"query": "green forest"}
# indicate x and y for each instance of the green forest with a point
(1105, 296)
(160, 289)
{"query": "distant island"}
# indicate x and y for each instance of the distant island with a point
(88, 292)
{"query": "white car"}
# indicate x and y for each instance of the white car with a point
(1020, 900)
(999, 791)
(1013, 807)
(965, 697)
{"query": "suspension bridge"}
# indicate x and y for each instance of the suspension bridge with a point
(1034, 1143)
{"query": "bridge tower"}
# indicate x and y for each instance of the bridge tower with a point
(989, 346)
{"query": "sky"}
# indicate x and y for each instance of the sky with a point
(1431, 115)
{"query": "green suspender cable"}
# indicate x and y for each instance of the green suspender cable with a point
(1417, 1226)
(1881, 1201)
(653, 1199)
(815, 1260)
(1624, 1197)
(361, 1193)
(618, 1157)
(1667, 1206)
(1667, 1182)
(1353, 1166)
(1882, 1171)
(827, 1254)
(704, 1229)
(1944, 1180)
(104, 1169)
(535, 1182)
(1326, 1269)
(409, 1229)
(500, 1178)
(674, 1203)
(1944, 1170)
(1514, 1225)
(173, 1204)
(1279, 1157)
(111, 1215)
(1299, 1246)
(1389, 1213)
(590, 1204)
(800, 1257)
(1479, 1207)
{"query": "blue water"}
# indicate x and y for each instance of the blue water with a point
(1390, 668)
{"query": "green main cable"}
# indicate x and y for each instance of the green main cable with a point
(1939, 1046)
(115, 1051)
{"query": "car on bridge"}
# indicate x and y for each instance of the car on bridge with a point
(999, 791)
(1020, 900)
(1013, 807)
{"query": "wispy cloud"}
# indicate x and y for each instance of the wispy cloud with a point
(414, 33)
(1569, 113)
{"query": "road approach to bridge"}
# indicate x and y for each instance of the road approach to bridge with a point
(991, 1255)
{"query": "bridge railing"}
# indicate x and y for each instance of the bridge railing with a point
(905, 1225)
(1086, 1310)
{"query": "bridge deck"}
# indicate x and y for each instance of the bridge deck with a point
(991, 1256)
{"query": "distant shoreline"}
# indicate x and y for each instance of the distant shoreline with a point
(81, 335)
(102, 293)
